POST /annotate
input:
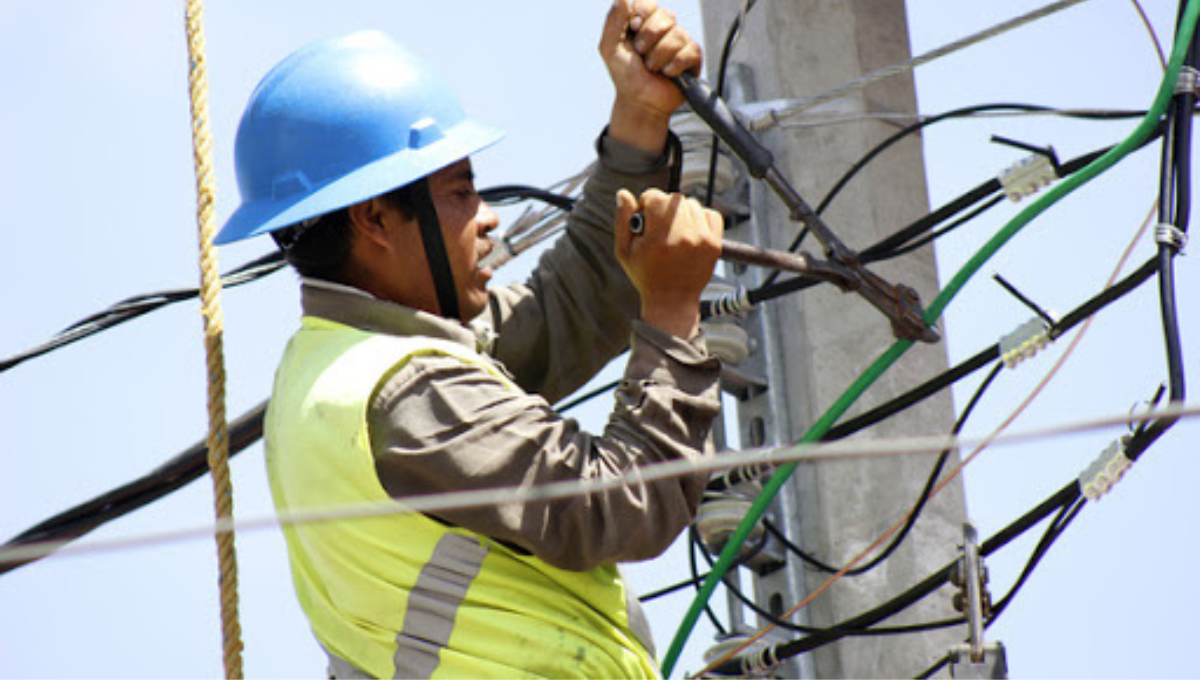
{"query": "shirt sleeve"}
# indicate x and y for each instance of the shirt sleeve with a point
(572, 316)
(440, 424)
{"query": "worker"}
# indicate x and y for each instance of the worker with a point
(409, 377)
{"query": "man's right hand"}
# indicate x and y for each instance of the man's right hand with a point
(672, 260)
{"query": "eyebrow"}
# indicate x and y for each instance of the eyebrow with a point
(465, 173)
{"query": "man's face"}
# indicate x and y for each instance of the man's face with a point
(465, 220)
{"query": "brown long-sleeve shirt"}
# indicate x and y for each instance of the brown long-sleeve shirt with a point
(438, 424)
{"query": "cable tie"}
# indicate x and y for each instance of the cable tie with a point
(1104, 472)
(1027, 176)
(1188, 82)
(1170, 235)
(1024, 342)
(729, 304)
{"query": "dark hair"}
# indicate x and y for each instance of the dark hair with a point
(320, 247)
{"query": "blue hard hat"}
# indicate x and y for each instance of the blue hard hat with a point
(338, 122)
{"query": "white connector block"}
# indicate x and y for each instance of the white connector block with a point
(1100, 476)
(1026, 176)
(1024, 342)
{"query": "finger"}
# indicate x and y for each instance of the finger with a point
(716, 223)
(689, 60)
(640, 9)
(615, 25)
(670, 45)
(654, 26)
(627, 205)
(655, 204)
(698, 217)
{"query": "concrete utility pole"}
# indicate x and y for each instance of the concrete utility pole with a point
(811, 346)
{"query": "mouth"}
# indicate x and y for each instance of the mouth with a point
(491, 255)
(485, 264)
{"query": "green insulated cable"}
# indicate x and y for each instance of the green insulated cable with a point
(1135, 139)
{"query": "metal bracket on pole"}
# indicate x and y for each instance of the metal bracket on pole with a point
(976, 658)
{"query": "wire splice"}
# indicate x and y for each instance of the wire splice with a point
(1189, 81)
(1104, 472)
(1024, 342)
(1170, 235)
(733, 303)
(1027, 176)
(758, 664)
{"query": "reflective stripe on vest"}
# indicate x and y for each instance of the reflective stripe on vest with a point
(433, 604)
(404, 595)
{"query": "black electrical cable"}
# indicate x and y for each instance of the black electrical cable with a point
(510, 193)
(693, 543)
(914, 396)
(1174, 214)
(913, 514)
(964, 368)
(588, 396)
(749, 602)
(178, 472)
(926, 223)
(937, 666)
(1065, 496)
(731, 37)
(1106, 297)
(810, 630)
(674, 588)
(171, 476)
(1104, 115)
(1066, 514)
(964, 112)
(136, 306)
(887, 247)
(932, 236)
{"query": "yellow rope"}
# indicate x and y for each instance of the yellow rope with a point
(210, 306)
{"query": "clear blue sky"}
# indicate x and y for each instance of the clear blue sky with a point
(96, 204)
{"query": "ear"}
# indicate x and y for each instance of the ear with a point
(366, 220)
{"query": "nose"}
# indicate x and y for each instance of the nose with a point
(486, 218)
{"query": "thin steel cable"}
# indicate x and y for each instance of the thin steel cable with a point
(773, 117)
(210, 307)
(457, 500)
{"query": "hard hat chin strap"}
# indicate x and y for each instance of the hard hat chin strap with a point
(435, 249)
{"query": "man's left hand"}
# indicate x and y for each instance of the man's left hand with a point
(643, 48)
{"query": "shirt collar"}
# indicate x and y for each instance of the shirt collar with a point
(358, 308)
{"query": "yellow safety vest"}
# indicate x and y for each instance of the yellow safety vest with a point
(405, 595)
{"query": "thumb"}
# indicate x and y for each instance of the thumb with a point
(614, 26)
(622, 237)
